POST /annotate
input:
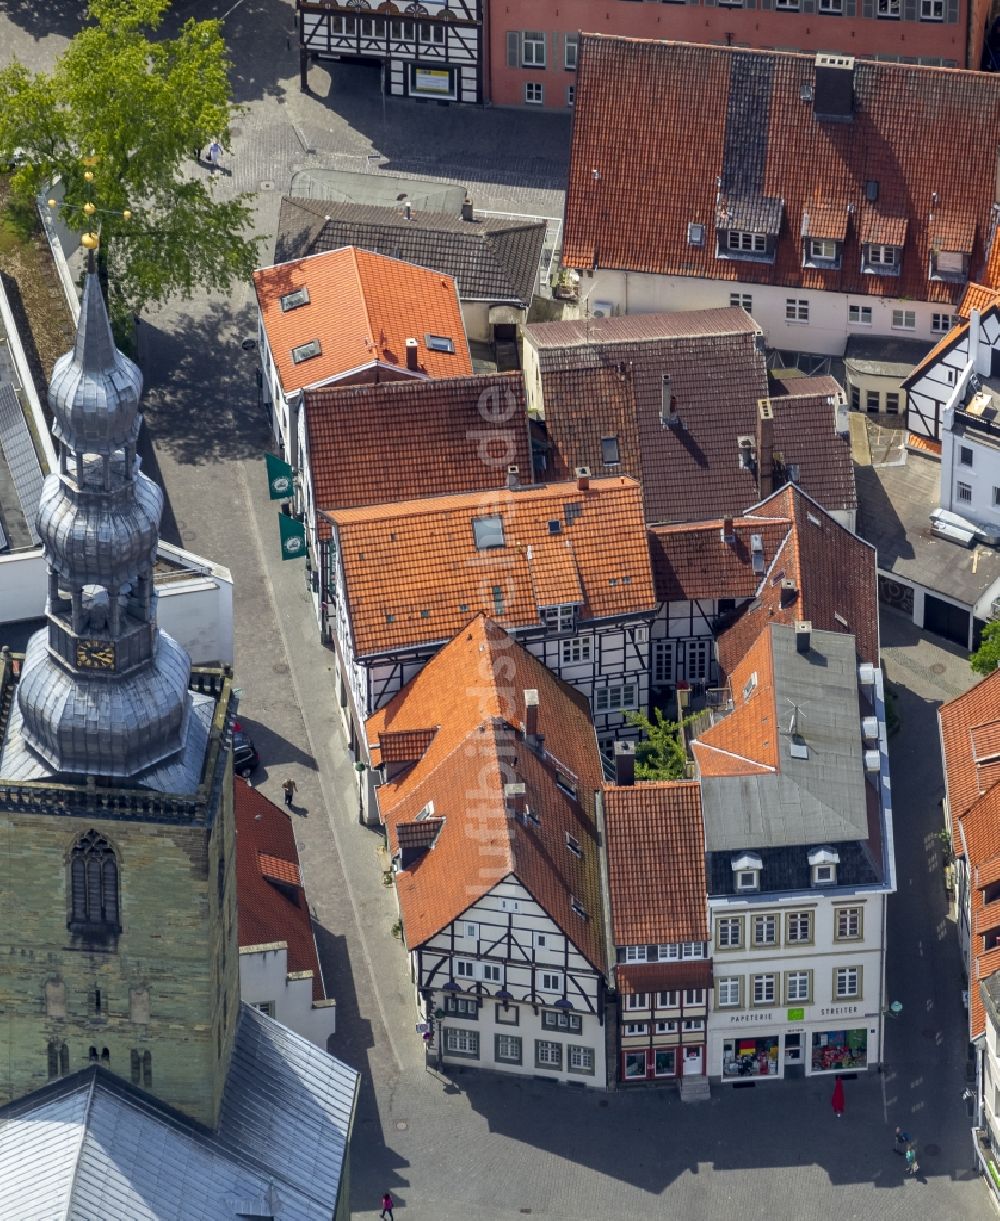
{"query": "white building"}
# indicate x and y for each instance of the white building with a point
(794, 779)
(951, 375)
(488, 768)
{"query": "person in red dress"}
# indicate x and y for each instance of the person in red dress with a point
(837, 1100)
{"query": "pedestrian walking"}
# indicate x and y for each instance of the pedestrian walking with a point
(902, 1140)
(289, 788)
(214, 156)
(912, 1165)
(837, 1098)
(386, 1207)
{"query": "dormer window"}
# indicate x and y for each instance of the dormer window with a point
(880, 259)
(949, 265)
(559, 618)
(822, 252)
(823, 862)
(747, 243)
(747, 226)
(746, 871)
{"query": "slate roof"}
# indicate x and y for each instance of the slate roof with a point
(834, 573)
(656, 863)
(471, 693)
(90, 1147)
(754, 792)
(491, 258)
(603, 378)
(413, 574)
(362, 308)
(701, 120)
(396, 440)
(272, 902)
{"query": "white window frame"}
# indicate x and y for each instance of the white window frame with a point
(580, 1059)
(577, 650)
(571, 51)
(534, 49)
(635, 953)
(534, 93)
(792, 921)
(963, 492)
(663, 659)
(698, 660)
(932, 10)
(694, 997)
(847, 983)
(835, 7)
(617, 697)
(744, 241)
(470, 930)
(747, 879)
(723, 926)
(859, 315)
(904, 320)
(798, 987)
(559, 618)
(668, 1000)
(548, 1054)
(824, 875)
(551, 981)
(729, 991)
(941, 324)
(570, 96)
(796, 309)
(430, 33)
(635, 1030)
(768, 920)
(763, 989)
(823, 250)
(848, 923)
(465, 968)
(492, 973)
(691, 1024)
(637, 1000)
(880, 255)
(515, 1044)
(887, 10)
(461, 1041)
(743, 301)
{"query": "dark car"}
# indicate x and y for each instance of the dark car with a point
(245, 757)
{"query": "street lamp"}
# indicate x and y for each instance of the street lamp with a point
(360, 768)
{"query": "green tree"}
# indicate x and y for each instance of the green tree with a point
(115, 120)
(661, 754)
(987, 657)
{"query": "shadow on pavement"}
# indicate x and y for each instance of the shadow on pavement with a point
(63, 17)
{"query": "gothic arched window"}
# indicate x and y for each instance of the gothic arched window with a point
(94, 886)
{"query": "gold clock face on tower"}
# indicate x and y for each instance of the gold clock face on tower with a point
(95, 655)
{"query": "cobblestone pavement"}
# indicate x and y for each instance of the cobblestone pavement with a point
(475, 1145)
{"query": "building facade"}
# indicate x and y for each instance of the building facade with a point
(963, 361)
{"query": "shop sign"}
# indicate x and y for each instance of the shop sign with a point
(742, 1019)
(834, 1010)
(796, 1015)
(432, 80)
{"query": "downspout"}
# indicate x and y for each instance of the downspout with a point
(611, 1070)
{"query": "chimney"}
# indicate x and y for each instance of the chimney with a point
(407, 210)
(803, 635)
(411, 355)
(467, 212)
(513, 480)
(765, 448)
(531, 715)
(624, 763)
(514, 800)
(834, 93)
(789, 591)
(582, 478)
(668, 408)
(726, 533)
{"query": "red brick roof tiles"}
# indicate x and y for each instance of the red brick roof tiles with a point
(636, 978)
(362, 308)
(473, 689)
(977, 296)
(271, 902)
(960, 718)
(745, 742)
(396, 440)
(692, 560)
(413, 573)
(701, 119)
(656, 863)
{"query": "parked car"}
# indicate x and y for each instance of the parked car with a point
(245, 757)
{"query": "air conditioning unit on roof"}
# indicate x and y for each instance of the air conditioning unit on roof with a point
(602, 309)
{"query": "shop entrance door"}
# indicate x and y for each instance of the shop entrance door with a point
(692, 1061)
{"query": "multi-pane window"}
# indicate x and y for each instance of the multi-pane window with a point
(883, 256)
(932, 10)
(551, 981)
(534, 93)
(667, 1000)
(728, 992)
(431, 32)
(617, 697)
(763, 989)
(904, 319)
(797, 986)
(636, 1029)
(822, 249)
(872, 401)
(559, 618)
(665, 1027)
(694, 996)
(581, 1059)
(729, 932)
(571, 96)
(847, 983)
(859, 315)
(462, 1006)
(492, 972)
(344, 25)
(798, 927)
(464, 969)
(637, 1000)
(400, 30)
(796, 310)
(964, 492)
(791, 6)
(847, 923)
(742, 301)
(571, 52)
(940, 324)
(765, 930)
(892, 402)
(747, 243)
(461, 1042)
(508, 1048)
(690, 1024)
(556, 1020)
(888, 9)
(94, 885)
(635, 953)
(533, 49)
(547, 1054)
(831, 6)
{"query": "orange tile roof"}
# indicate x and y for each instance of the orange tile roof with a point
(473, 691)
(271, 903)
(693, 561)
(944, 344)
(362, 308)
(745, 742)
(413, 574)
(981, 836)
(968, 714)
(656, 863)
(977, 296)
(708, 119)
(396, 440)
(834, 575)
(924, 444)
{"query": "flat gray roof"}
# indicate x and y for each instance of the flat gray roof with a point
(384, 189)
(877, 356)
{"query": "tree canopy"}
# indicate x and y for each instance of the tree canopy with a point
(129, 108)
(661, 753)
(987, 657)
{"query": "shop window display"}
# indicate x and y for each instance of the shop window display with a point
(835, 1051)
(635, 1065)
(750, 1057)
(666, 1063)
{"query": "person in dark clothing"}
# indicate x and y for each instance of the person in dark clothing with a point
(386, 1207)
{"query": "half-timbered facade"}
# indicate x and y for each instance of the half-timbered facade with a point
(428, 50)
(953, 372)
(564, 568)
(489, 768)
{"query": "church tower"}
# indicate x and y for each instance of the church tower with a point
(117, 844)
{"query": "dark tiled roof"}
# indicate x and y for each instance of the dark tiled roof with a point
(606, 380)
(492, 258)
(656, 863)
(788, 868)
(400, 439)
(693, 560)
(705, 119)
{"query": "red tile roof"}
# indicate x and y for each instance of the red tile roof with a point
(362, 308)
(745, 742)
(414, 575)
(397, 440)
(692, 560)
(270, 900)
(663, 976)
(977, 296)
(701, 120)
(656, 863)
(472, 691)
(604, 380)
(834, 575)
